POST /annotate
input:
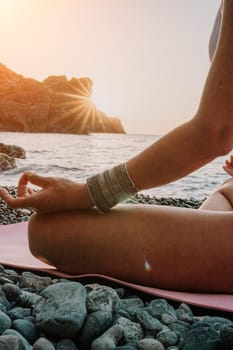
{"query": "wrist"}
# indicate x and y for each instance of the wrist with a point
(86, 198)
(110, 187)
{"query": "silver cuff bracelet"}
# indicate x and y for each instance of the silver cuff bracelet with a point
(110, 187)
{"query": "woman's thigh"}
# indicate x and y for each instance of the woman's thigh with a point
(176, 248)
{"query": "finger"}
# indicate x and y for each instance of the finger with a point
(36, 179)
(231, 160)
(22, 185)
(4, 193)
(6, 196)
(31, 191)
(228, 164)
(229, 171)
(18, 202)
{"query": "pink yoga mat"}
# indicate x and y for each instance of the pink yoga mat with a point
(14, 253)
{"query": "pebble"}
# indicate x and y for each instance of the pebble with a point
(226, 335)
(132, 331)
(18, 312)
(109, 339)
(26, 328)
(27, 346)
(12, 291)
(202, 338)
(150, 344)
(217, 322)
(102, 298)
(157, 307)
(47, 313)
(5, 322)
(167, 337)
(125, 347)
(11, 342)
(148, 322)
(33, 282)
(96, 323)
(62, 309)
(43, 344)
(66, 344)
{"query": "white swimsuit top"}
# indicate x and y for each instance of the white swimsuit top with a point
(215, 32)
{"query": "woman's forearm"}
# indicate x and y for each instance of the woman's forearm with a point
(174, 155)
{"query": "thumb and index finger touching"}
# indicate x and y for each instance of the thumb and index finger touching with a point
(20, 200)
(34, 179)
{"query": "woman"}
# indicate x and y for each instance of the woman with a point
(172, 248)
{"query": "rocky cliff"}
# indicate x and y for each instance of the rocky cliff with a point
(54, 105)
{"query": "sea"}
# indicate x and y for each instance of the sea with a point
(79, 156)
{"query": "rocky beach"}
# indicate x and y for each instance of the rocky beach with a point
(40, 312)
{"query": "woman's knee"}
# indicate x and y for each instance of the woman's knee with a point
(36, 241)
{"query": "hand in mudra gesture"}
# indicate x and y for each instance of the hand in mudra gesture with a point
(228, 167)
(54, 194)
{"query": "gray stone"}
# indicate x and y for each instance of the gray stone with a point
(11, 342)
(184, 316)
(217, 322)
(109, 339)
(4, 301)
(102, 298)
(130, 303)
(180, 328)
(26, 328)
(150, 344)
(167, 318)
(28, 299)
(5, 322)
(167, 337)
(125, 347)
(95, 324)
(128, 308)
(11, 274)
(66, 344)
(19, 312)
(202, 338)
(132, 331)
(186, 308)
(159, 306)
(62, 309)
(34, 282)
(43, 344)
(12, 292)
(226, 335)
(27, 346)
(148, 322)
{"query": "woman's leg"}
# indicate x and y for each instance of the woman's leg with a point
(175, 248)
(221, 199)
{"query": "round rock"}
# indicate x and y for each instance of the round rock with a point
(150, 344)
(5, 322)
(102, 298)
(43, 344)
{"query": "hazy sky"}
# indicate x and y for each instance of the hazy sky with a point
(148, 59)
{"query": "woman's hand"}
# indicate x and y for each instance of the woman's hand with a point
(228, 167)
(54, 195)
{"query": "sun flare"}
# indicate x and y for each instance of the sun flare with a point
(82, 107)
